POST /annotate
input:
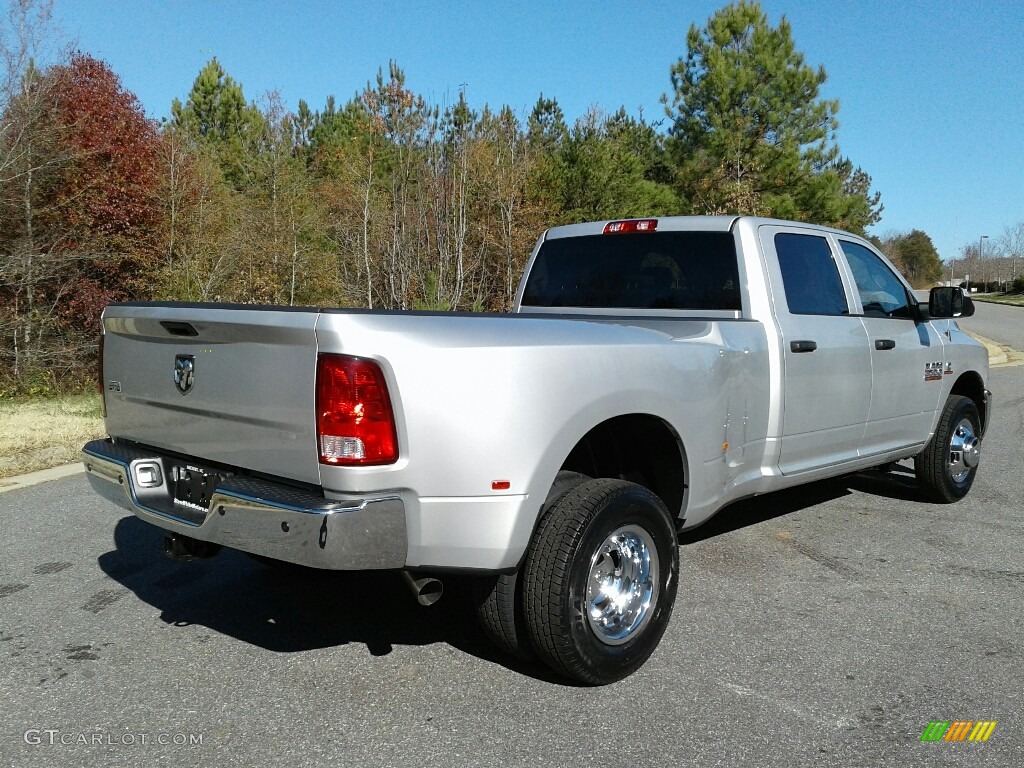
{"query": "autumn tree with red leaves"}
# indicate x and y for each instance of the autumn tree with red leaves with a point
(108, 197)
(106, 206)
(80, 227)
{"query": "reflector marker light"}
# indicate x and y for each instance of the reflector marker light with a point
(354, 421)
(500, 485)
(630, 225)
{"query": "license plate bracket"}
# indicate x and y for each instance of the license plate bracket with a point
(194, 486)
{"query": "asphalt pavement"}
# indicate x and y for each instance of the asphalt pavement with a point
(1000, 322)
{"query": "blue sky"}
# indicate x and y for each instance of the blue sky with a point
(931, 91)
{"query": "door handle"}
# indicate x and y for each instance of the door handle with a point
(885, 344)
(803, 346)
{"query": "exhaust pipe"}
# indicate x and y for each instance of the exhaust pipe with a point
(427, 589)
(179, 547)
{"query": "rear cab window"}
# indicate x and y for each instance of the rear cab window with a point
(673, 270)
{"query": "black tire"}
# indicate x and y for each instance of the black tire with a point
(498, 602)
(568, 548)
(498, 599)
(947, 466)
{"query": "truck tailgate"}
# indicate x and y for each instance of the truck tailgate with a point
(243, 394)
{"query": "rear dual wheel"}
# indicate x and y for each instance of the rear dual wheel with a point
(499, 599)
(599, 581)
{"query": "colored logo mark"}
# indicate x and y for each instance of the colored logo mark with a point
(958, 730)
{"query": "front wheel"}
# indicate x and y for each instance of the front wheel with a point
(947, 466)
(600, 581)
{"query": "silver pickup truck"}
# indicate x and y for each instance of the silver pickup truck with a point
(652, 372)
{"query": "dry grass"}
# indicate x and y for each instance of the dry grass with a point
(37, 434)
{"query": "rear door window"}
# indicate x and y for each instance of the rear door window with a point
(810, 276)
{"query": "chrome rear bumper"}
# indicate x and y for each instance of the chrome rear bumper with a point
(254, 515)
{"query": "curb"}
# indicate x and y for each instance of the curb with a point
(999, 355)
(42, 476)
(996, 355)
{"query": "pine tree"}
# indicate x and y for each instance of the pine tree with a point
(915, 255)
(217, 114)
(750, 133)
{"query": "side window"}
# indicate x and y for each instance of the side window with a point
(881, 292)
(810, 276)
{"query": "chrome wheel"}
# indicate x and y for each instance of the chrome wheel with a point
(964, 451)
(947, 466)
(599, 580)
(622, 587)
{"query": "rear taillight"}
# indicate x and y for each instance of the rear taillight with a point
(632, 225)
(354, 422)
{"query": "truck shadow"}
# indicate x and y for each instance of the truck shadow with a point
(290, 609)
(898, 483)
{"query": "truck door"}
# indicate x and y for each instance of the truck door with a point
(907, 358)
(826, 372)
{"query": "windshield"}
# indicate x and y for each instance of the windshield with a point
(655, 270)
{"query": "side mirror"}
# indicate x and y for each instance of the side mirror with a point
(949, 302)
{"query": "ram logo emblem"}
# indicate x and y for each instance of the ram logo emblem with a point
(184, 372)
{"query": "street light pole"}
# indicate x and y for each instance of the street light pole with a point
(981, 260)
